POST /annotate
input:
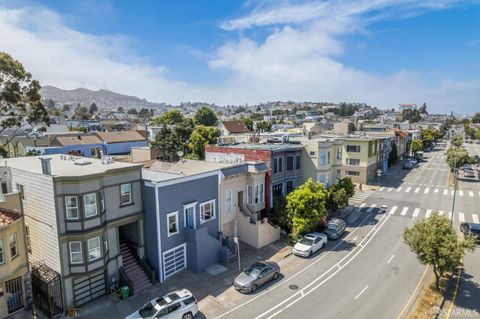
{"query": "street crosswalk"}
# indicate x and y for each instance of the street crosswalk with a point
(431, 190)
(359, 197)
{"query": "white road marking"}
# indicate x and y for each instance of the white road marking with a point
(362, 205)
(428, 213)
(449, 215)
(416, 212)
(390, 259)
(417, 190)
(404, 211)
(399, 189)
(408, 190)
(381, 188)
(460, 193)
(445, 191)
(426, 190)
(389, 189)
(461, 217)
(371, 208)
(441, 212)
(436, 190)
(470, 193)
(475, 218)
(392, 211)
(451, 192)
(361, 292)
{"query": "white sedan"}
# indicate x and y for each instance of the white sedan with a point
(309, 244)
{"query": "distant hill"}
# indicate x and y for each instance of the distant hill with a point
(104, 99)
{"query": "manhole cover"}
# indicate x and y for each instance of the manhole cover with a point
(293, 287)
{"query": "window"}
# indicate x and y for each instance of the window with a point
(172, 220)
(21, 190)
(262, 198)
(13, 245)
(207, 211)
(323, 158)
(189, 218)
(105, 242)
(297, 162)
(339, 153)
(102, 200)
(94, 252)
(257, 193)
(27, 238)
(71, 207)
(250, 194)
(2, 258)
(289, 163)
(228, 200)
(312, 153)
(76, 255)
(353, 173)
(280, 164)
(328, 157)
(275, 165)
(353, 161)
(289, 186)
(339, 173)
(125, 194)
(353, 148)
(90, 204)
(321, 178)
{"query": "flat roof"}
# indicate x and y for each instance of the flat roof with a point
(265, 146)
(65, 165)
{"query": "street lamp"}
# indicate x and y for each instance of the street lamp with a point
(455, 181)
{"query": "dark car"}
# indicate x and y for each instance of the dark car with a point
(256, 275)
(335, 228)
(471, 228)
(407, 165)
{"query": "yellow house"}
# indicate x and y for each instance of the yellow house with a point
(360, 158)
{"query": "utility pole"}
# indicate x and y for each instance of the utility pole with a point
(455, 180)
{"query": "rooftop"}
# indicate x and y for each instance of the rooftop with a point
(235, 126)
(122, 136)
(8, 216)
(64, 165)
(265, 146)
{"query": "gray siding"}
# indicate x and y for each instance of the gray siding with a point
(151, 243)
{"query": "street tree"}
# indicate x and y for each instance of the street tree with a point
(458, 157)
(337, 198)
(206, 116)
(416, 145)
(93, 108)
(457, 141)
(347, 184)
(436, 244)
(265, 126)
(306, 207)
(201, 136)
(171, 117)
(66, 108)
(248, 123)
(423, 109)
(20, 100)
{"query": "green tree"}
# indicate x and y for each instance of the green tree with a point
(144, 112)
(132, 111)
(436, 243)
(411, 115)
(423, 109)
(476, 118)
(81, 113)
(457, 141)
(206, 116)
(347, 184)
(201, 136)
(166, 140)
(457, 157)
(416, 145)
(477, 134)
(120, 109)
(306, 207)
(337, 198)
(50, 104)
(93, 108)
(265, 126)
(171, 117)
(20, 100)
(66, 108)
(248, 123)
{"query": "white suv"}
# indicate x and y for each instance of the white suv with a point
(309, 244)
(180, 304)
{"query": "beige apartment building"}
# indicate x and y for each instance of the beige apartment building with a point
(360, 158)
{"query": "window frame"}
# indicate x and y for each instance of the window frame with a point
(349, 173)
(322, 158)
(2, 252)
(250, 194)
(80, 252)
(175, 213)
(356, 148)
(130, 194)
(99, 248)
(290, 160)
(312, 153)
(85, 196)
(193, 207)
(67, 208)
(229, 200)
(257, 194)
(349, 160)
(339, 153)
(298, 160)
(13, 244)
(213, 214)
(280, 164)
(101, 195)
(262, 193)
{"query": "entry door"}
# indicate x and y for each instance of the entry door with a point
(190, 217)
(14, 291)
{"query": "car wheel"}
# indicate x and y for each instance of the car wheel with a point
(275, 276)
(310, 253)
(323, 245)
(188, 315)
(254, 287)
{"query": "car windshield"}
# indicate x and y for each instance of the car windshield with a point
(254, 270)
(330, 230)
(147, 311)
(306, 241)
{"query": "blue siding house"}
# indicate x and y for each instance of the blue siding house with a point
(87, 145)
(182, 220)
(121, 142)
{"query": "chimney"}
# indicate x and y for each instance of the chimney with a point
(46, 166)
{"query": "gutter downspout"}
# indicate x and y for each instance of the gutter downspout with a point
(157, 217)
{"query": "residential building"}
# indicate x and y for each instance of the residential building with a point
(344, 127)
(236, 127)
(360, 158)
(282, 159)
(19, 145)
(85, 125)
(405, 107)
(15, 292)
(87, 145)
(121, 142)
(85, 226)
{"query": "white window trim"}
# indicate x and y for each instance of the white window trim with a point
(185, 207)
(250, 195)
(15, 244)
(99, 248)
(184, 245)
(214, 215)
(176, 222)
(262, 193)
(70, 252)
(76, 207)
(129, 193)
(229, 204)
(101, 194)
(85, 205)
(2, 250)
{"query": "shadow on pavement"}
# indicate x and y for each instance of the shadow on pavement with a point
(468, 296)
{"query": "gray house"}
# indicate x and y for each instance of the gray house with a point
(182, 219)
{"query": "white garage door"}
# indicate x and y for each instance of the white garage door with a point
(174, 260)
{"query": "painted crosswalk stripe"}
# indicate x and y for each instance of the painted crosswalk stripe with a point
(451, 192)
(449, 215)
(408, 190)
(392, 211)
(460, 193)
(371, 208)
(399, 189)
(381, 188)
(390, 189)
(362, 205)
(475, 218)
(461, 217)
(426, 190)
(417, 190)
(445, 191)
(436, 190)
(428, 213)
(404, 211)
(441, 212)
(416, 212)
(470, 193)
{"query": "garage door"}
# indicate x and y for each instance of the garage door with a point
(88, 288)
(174, 260)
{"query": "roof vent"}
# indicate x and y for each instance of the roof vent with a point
(82, 162)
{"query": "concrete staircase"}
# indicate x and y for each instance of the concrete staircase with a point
(133, 270)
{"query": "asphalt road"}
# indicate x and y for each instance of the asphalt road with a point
(370, 273)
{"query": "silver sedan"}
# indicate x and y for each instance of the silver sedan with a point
(256, 275)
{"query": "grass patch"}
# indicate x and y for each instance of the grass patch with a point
(429, 299)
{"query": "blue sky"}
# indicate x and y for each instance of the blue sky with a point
(382, 52)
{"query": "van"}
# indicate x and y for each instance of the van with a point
(335, 228)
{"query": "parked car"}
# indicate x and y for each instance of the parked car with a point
(469, 173)
(471, 228)
(256, 275)
(407, 165)
(180, 304)
(467, 167)
(478, 167)
(335, 228)
(310, 244)
(414, 161)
